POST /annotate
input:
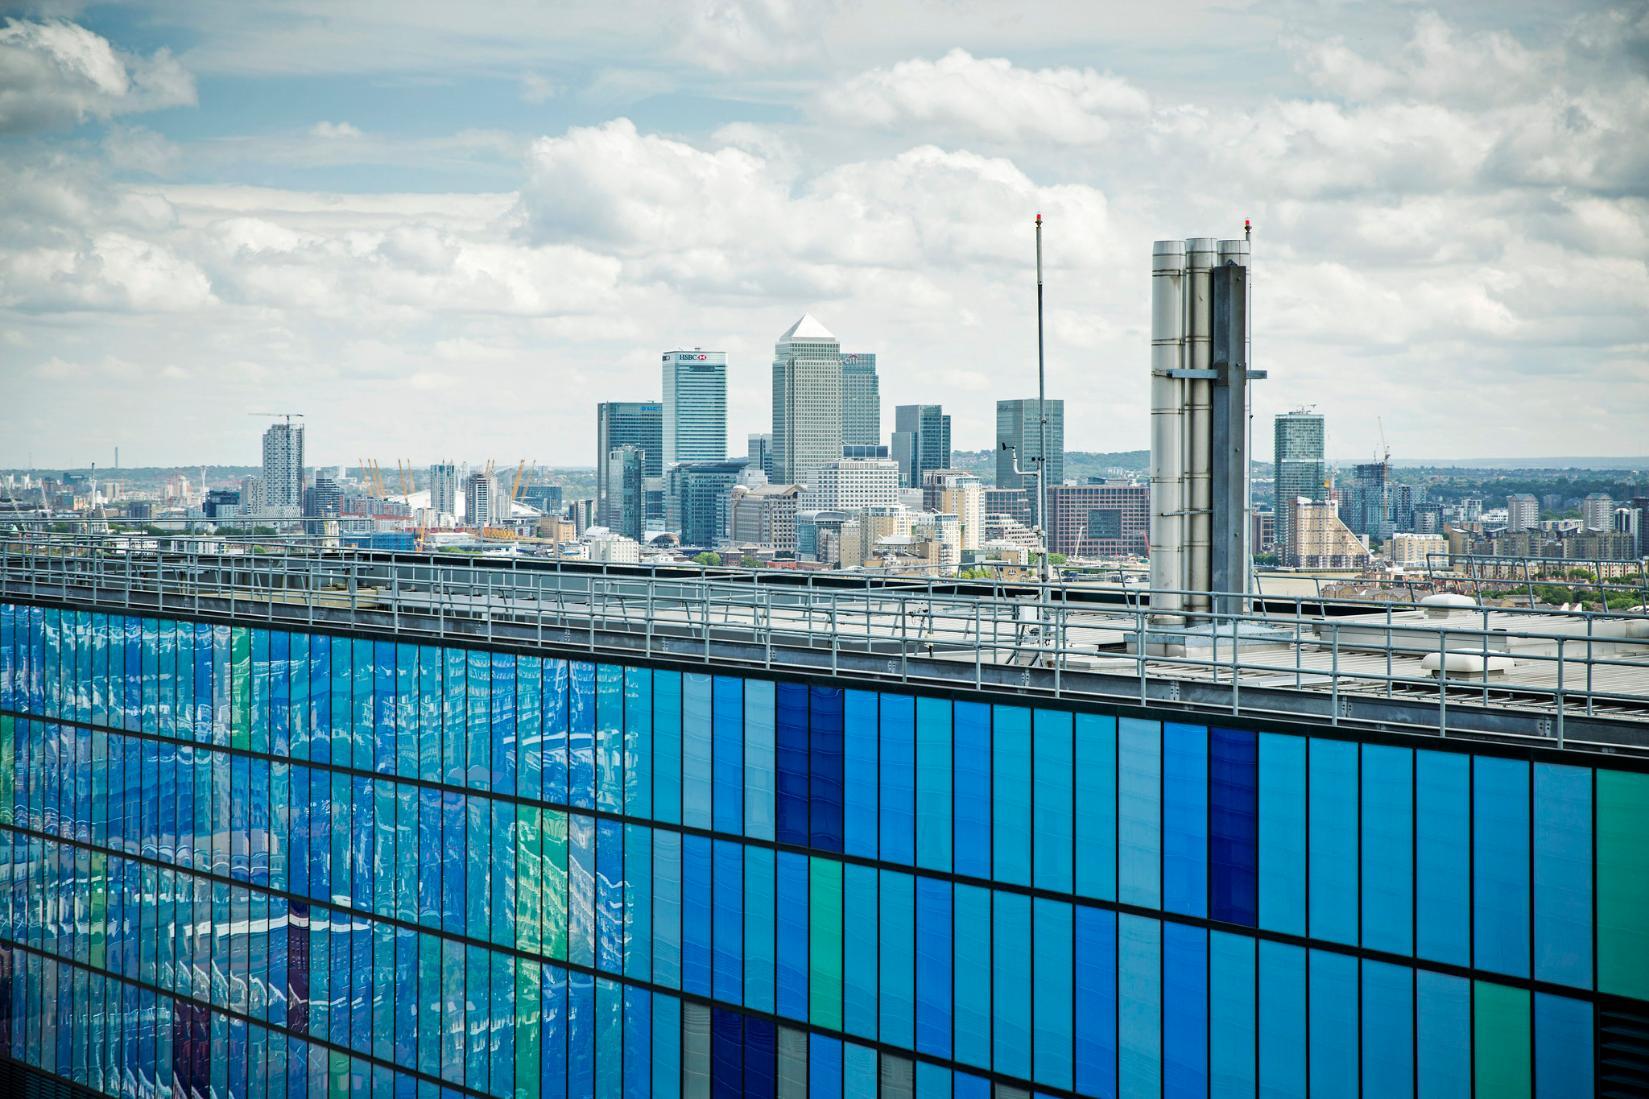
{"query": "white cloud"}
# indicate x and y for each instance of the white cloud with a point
(55, 74)
(1417, 239)
(135, 149)
(333, 130)
(989, 98)
(537, 89)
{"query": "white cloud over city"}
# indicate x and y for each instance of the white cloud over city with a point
(1452, 222)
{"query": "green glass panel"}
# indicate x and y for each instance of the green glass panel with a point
(529, 888)
(1622, 884)
(555, 884)
(1500, 1032)
(338, 1078)
(258, 722)
(527, 1008)
(240, 695)
(824, 985)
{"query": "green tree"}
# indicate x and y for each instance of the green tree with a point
(708, 558)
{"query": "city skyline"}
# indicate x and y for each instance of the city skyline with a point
(177, 238)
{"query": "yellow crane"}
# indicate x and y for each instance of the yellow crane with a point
(519, 483)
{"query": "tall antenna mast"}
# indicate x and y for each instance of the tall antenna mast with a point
(1042, 416)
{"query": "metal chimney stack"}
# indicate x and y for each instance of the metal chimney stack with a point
(1200, 424)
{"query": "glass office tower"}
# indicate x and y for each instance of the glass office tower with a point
(251, 862)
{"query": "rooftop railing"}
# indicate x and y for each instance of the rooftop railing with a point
(1570, 679)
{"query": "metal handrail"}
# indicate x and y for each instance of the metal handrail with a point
(650, 611)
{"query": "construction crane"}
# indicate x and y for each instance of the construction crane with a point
(373, 476)
(1385, 447)
(287, 416)
(404, 467)
(519, 483)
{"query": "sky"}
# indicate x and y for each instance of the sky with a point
(448, 230)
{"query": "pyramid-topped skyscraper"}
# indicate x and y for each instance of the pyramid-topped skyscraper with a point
(807, 400)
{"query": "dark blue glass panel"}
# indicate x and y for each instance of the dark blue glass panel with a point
(1388, 1030)
(792, 752)
(971, 727)
(761, 1067)
(1443, 863)
(861, 772)
(1500, 865)
(1184, 1011)
(1233, 826)
(726, 1054)
(1388, 848)
(825, 762)
(1185, 819)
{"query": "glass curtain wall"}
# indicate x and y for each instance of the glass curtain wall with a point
(238, 862)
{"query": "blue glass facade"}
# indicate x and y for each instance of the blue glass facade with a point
(242, 862)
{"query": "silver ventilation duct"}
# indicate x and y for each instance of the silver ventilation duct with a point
(1200, 422)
